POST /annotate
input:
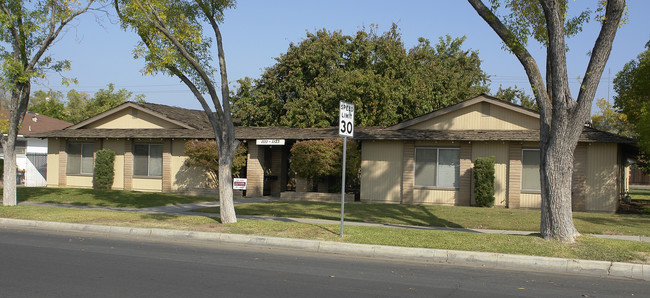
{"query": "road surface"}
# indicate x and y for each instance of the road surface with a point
(37, 263)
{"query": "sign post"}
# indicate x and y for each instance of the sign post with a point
(346, 129)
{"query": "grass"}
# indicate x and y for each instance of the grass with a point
(446, 216)
(586, 247)
(103, 198)
(640, 194)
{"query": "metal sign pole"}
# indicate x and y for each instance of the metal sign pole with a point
(345, 145)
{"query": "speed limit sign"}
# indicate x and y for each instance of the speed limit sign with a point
(346, 119)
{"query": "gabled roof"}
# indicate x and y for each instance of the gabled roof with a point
(187, 119)
(463, 104)
(196, 126)
(36, 123)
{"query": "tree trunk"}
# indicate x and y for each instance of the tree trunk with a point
(9, 188)
(556, 173)
(19, 100)
(226, 204)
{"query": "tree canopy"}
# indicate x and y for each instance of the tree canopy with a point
(79, 106)
(517, 96)
(632, 86)
(387, 83)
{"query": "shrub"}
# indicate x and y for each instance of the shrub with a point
(484, 181)
(204, 154)
(322, 159)
(104, 169)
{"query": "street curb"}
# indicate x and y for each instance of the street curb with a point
(455, 257)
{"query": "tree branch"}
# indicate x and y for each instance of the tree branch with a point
(54, 33)
(524, 57)
(599, 55)
(160, 25)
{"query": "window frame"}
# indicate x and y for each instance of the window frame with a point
(530, 190)
(148, 165)
(81, 159)
(456, 184)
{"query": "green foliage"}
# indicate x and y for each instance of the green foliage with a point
(525, 18)
(104, 171)
(319, 159)
(79, 106)
(204, 154)
(517, 96)
(387, 83)
(632, 85)
(610, 120)
(484, 181)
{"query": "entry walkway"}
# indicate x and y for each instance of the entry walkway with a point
(186, 209)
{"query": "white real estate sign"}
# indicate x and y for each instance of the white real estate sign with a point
(346, 119)
(239, 183)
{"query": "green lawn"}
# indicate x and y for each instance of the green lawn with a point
(640, 194)
(446, 216)
(103, 198)
(586, 247)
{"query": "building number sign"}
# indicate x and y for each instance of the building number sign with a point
(346, 119)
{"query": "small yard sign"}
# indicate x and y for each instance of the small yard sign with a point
(239, 183)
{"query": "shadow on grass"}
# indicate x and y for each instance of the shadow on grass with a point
(103, 198)
(360, 212)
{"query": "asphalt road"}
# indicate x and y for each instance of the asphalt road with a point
(55, 264)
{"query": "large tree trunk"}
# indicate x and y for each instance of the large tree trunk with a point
(9, 184)
(19, 100)
(226, 203)
(556, 169)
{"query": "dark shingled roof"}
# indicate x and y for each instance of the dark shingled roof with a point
(203, 130)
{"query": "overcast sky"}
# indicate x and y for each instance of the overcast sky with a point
(256, 32)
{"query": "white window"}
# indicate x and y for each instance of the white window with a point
(530, 179)
(147, 160)
(437, 167)
(80, 158)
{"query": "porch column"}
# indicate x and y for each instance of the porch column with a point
(514, 176)
(465, 179)
(128, 164)
(255, 170)
(579, 189)
(167, 166)
(408, 172)
(276, 170)
(63, 163)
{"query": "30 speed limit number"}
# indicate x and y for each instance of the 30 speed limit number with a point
(346, 119)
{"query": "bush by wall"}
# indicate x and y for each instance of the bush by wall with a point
(104, 172)
(484, 181)
(322, 159)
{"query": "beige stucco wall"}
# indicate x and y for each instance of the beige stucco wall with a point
(147, 184)
(80, 181)
(53, 162)
(435, 196)
(132, 119)
(474, 117)
(381, 171)
(185, 178)
(531, 200)
(500, 152)
(602, 189)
